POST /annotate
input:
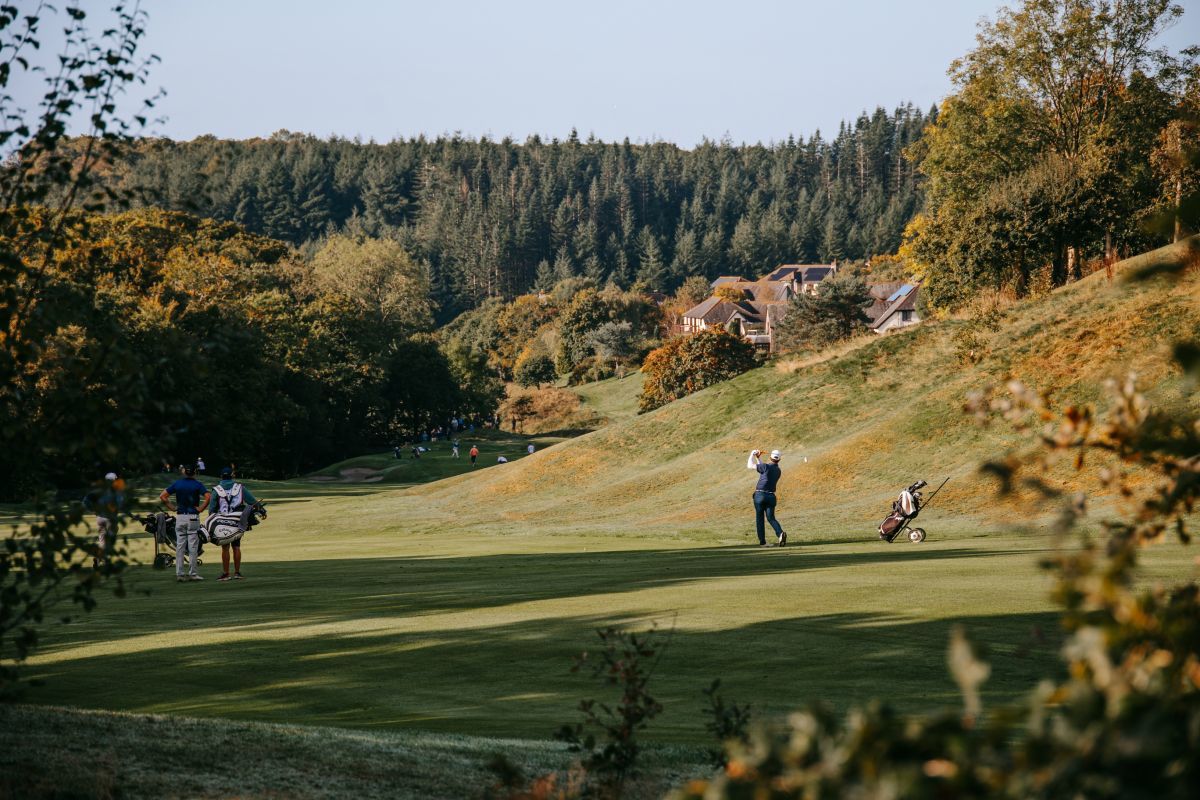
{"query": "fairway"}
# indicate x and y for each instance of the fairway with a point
(464, 631)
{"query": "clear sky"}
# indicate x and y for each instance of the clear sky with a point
(679, 71)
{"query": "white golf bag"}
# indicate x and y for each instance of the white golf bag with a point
(233, 517)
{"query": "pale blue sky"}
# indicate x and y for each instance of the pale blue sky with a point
(677, 71)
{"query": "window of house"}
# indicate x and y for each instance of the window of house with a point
(906, 316)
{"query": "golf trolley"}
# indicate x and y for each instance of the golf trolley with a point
(161, 527)
(905, 509)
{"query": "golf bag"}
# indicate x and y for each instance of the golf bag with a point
(230, 526)
(905, 509)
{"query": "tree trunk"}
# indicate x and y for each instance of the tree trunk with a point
(1178, 204)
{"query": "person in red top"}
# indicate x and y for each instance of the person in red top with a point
(474, 454)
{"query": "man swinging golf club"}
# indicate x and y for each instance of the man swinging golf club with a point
(764, 495)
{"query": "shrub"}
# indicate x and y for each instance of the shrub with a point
(728, 722)
(836, 312)
(625, 660)
(535, 370)
(691, 363)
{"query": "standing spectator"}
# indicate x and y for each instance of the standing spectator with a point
(230, 498)
(200, 464)
(190, 497)
(396, 452)
(474, 454)
(106, 503)
(454, 449)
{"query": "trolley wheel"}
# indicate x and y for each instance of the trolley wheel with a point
(916, 535)
(161, 560)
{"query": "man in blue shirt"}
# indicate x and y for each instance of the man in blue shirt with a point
(231, 497)
(764, 495)
(190, 497)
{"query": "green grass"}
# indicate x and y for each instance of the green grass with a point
(455, 607)
(615, 399)
(54, 752)
(437, 463)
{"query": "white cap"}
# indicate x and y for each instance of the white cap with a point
(110, 476)
(776, 455)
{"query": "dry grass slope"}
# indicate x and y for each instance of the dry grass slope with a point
(871, 419)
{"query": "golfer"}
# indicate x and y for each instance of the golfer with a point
(107, 503)
(764, 495)
(188, 493)
(474, 454)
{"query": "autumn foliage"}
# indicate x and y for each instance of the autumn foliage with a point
(689, 364)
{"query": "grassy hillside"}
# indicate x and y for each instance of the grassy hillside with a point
(870, 422)
(615, 399)
(456, 606)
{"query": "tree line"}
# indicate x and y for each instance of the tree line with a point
(187, 337)
(500, 218)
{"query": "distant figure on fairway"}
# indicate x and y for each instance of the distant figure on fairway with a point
(190, 497)
(764, 495)
(454, 449)
(530, 449)
(231, 498)
(501, 460)
(474, 454)
(200, 464)
(106, 503)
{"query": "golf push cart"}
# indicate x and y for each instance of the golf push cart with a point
(905, 509)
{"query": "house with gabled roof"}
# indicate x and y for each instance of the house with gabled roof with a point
(898, 309)
(803, 277)
(754, 307)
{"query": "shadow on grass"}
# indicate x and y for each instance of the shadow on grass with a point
(341, 642)
(515, 680)
(296, 593)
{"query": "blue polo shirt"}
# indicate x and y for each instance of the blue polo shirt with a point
(768, 476)
(188, 493)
